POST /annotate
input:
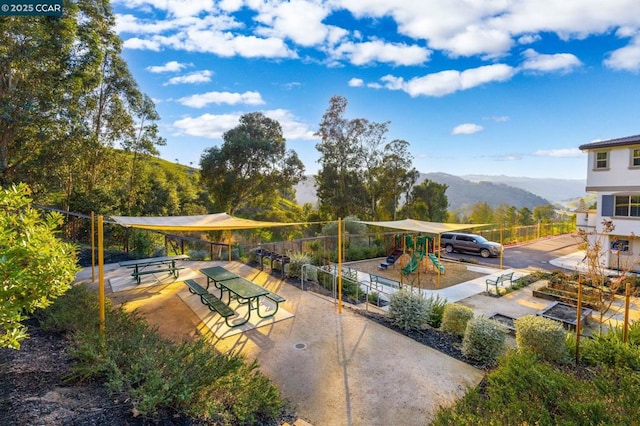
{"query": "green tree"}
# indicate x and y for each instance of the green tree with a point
(67, 99)
(251, 167)
(428, 201)
(348, 182)
(397, 176)
(35, 82)
(525, 217)
(36, 267)
(481, 213)
(545, 213)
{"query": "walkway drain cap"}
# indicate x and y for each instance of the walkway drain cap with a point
(300, 346)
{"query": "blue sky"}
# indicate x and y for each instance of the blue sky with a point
(494, 87)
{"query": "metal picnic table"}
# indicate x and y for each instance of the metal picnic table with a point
(217, 274)
(139, 265)
(238, 288)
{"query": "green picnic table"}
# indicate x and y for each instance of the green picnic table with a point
(164, 264)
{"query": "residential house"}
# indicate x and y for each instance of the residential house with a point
(613, 173)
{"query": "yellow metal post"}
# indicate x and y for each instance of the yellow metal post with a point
(501, 244)
(101, 273)
(339, 266)
(93, 248)
(439, 261)
(627, 297)
(578, 316)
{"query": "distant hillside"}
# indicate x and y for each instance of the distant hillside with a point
(462, 193)
(554, 190)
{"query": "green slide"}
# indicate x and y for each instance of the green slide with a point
(413, 263)
(436, 262)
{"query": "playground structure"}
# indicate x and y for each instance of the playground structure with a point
(413, 253)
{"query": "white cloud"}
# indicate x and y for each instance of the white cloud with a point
(626, 58)
(466, 129)
(171, 66)
(450, 81)
(379, 51)
(560, 153)
(300, 21)
(174, 8)
(208, 126)
(218, 98)
(140, 44)
(292, 129)
(356, 82)
(203, 76)
(212, 126)
(563, 62)
(487, 29)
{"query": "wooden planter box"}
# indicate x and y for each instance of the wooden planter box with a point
(566, 314)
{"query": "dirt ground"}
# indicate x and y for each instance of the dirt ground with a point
(426, 276)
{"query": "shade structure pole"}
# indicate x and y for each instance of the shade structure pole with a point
(101, 273)
(93, 248)
(339, 266)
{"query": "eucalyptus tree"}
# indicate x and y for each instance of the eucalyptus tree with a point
(396, 178)
(252, 167)
(35, 83)
(351, 159)
(142, 143)
(67, 99)
(427, 201)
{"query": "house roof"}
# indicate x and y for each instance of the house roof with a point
(629, 140)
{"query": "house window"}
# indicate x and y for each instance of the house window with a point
(635, 157)
(627, 205)
(602, 160)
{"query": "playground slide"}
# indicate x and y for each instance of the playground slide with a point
(436, 262)
(413, 263)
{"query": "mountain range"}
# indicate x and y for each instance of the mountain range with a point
(467, 190)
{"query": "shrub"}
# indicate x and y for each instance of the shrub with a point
(132, 359)
(455, 318)
(408, 310)
(542, 336)
(35, 265)
(297, 260)
(609, 349)
(484, 340)
(435, 306)
(198, 254)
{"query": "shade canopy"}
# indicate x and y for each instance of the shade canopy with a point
(208, 222)
(422, 226)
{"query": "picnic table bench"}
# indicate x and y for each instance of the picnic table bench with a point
(157, 264)
(500, 282)
(213, 303)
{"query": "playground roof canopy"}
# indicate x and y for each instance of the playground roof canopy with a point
(208, 222)
(422, 226)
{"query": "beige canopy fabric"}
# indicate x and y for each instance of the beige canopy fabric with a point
(209, 222)
(422, 226)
